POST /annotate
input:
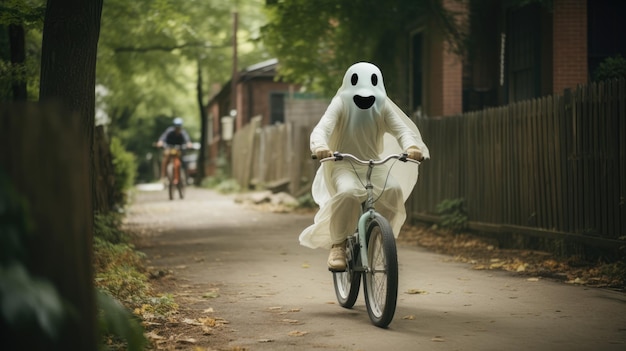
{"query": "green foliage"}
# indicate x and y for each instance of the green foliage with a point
(125, 167)
(107, 228)
(221, 181)
(306, 201)
(228, 186)
(452, 213)
(611, 68)
(115, 319)
(119, 268)
(316, 41)
(29, 15)
(30, 304)
(149, 56)
(116, 263)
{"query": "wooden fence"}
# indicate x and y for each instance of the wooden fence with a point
(278, 156)
(553, 166)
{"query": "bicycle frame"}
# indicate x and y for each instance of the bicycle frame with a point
(174, 154)
(370, 211)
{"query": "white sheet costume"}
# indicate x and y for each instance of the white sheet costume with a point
(360, 120)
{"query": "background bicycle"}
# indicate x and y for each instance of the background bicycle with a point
(175, 171)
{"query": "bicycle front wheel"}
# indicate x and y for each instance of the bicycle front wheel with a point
(381, 280)
(347, 283)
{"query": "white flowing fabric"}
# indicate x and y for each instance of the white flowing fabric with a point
(360, 120)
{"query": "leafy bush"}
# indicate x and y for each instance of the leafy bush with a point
(306, 201)
(611, 68)
(228, 186)
(119, 268)
(125, 170)
(452, 213)
(107, 228)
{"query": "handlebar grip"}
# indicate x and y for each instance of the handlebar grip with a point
(313, 156)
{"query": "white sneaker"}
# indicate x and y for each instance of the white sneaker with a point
(337, 258)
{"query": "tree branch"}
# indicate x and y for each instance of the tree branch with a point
(122, 49)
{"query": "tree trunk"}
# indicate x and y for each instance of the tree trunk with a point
(203, 126)
(48, 166)
(68, 69)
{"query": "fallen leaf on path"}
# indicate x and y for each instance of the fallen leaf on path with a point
(191, 321)
(187, 341)
(532, 279)
(154, 336)
(416, 291)
(409, 317)
(265, 340)
(438, 339)
(211, 294)
(208, 310)
(295, 310)
(291, 321)
(297, 333)
(305, 265)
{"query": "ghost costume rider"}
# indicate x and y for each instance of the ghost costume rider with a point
(360, 120)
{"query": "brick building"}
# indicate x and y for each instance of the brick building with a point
(516, 50)
(257, 93)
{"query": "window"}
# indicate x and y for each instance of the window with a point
(277, 108)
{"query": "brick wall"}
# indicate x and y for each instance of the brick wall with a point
(569, 44)
(444, 84)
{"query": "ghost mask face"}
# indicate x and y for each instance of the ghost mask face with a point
(363, 87)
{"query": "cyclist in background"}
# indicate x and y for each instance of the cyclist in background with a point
(173, 135)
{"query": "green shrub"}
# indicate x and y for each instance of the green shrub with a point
(306, 201)
(125, 170)
(107, 227)
(228, 186)
(611, 68)
(452, 214)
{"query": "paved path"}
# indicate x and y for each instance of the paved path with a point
(278, 295)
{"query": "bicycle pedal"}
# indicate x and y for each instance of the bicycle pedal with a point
(335, 270)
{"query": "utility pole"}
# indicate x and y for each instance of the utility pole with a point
(233, 82)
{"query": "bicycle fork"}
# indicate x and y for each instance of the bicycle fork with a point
(365, 219)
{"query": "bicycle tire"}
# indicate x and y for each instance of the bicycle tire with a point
(380, 283)
(348, 283)
(170, 180)
(181, 183)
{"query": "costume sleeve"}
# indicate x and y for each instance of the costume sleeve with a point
(403, 129)
(320, 135)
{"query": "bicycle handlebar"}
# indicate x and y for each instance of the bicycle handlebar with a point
(338, 156)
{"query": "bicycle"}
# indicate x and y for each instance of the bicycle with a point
(370, 252)
(176, 177)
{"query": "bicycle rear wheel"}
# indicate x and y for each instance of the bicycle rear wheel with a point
(347, 283)
(381, 281)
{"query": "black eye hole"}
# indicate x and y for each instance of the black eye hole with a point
(354, 79)
(374, 79)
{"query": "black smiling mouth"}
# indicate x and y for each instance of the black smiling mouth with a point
(364, 102)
